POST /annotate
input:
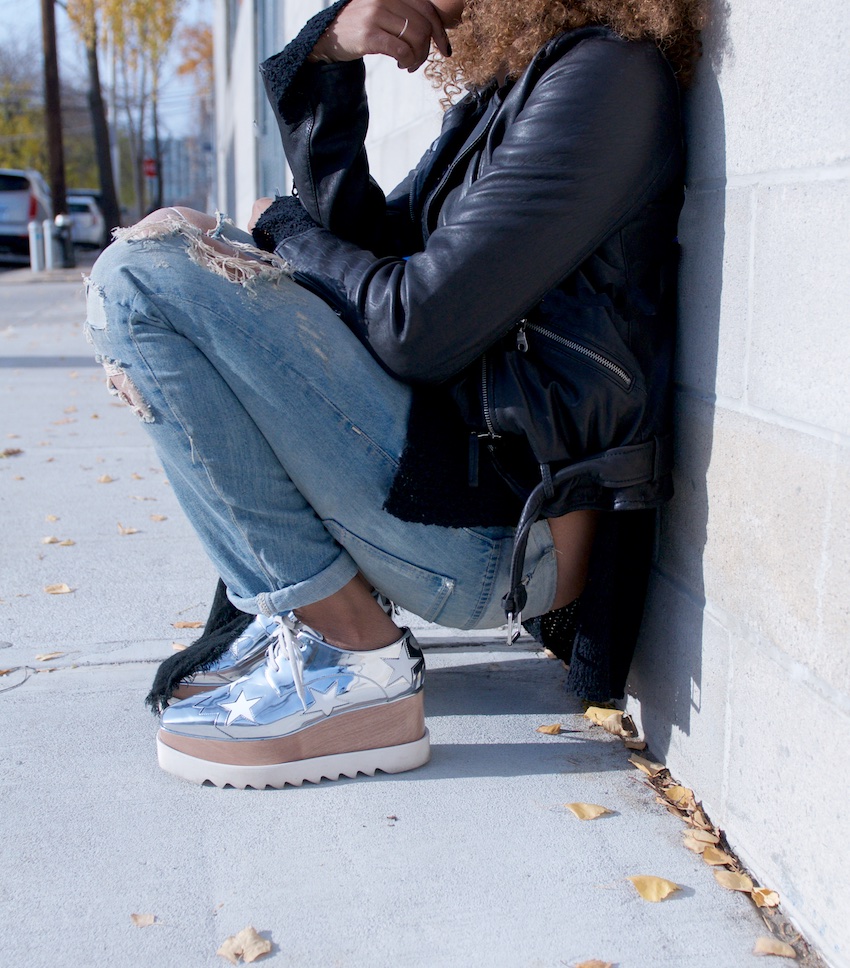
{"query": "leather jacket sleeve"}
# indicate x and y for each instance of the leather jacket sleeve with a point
(595, 140)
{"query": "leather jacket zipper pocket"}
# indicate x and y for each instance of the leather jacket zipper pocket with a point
(486, 407)
(614, 369)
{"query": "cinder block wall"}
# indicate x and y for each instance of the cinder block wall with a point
(742, 678)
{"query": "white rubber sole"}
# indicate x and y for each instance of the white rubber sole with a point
(388, 759)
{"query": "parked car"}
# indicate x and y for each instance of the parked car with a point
(88, 226)
(24, 197)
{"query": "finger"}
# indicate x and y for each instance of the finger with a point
(436, 30)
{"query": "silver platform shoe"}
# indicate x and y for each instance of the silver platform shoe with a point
(244, 654)
(309, 711)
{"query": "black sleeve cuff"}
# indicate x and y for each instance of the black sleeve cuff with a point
(285, 217)
(279, 70)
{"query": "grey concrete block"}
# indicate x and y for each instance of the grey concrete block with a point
(715, 231)
(801, 294)
(765, 530)
(788, 789)
(771, 90)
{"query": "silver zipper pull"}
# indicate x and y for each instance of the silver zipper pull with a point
(521, 338)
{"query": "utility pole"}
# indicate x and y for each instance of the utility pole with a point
(53, 109)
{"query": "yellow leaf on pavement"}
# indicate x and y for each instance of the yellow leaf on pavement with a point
(50, 539)
(587, 811)
(715, 856)
(187, 625)
(47, 656)
(143, 920)
(60, 589)
(596, 714)
(247, 945)
(105, 479)
(773, 946)
(67, 543)
(128, 530)
(699, 840)
(51, 517)
(764, 897)
(653, 888)
(681, 796)
(552, 730)
(733, 881)
(595, 963)
(179, 646)
(159, 517)
(647, 766)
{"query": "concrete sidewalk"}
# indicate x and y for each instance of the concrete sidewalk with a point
(471, 861)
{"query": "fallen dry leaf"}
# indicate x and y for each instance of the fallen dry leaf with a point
(247, 945)
(681, 796)
(141, 497)
(773, 946)
(653, 888)
(143, 920)
(5, 672)
(47, 656)
(179, 646)
(159, 517)
(587, 811)
(715, 856)
(134, 476)
(60, 589)
(764, 897)
(67, 543)
(18, 477)
(187, 625)
(551, 730)
(647, 766)
(51, 517)
(699, 844)
(95, 416)
(733, 881)
(13, 436)
(105, 479)
(71, 409)
(595, 963)
(699, 819)
(10, 452)
(596, 714)
(50, 539)
(123, 530)
(635, 744)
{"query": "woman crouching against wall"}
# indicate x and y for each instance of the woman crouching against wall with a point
(455, 397)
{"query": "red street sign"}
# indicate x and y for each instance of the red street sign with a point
(149, 167)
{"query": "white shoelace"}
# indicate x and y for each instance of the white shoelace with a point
(283, 640)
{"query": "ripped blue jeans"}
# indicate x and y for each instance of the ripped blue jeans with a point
(280, 434)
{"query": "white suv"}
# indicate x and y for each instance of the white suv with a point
(24, 197)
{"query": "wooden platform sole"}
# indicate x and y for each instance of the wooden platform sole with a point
(346, 744)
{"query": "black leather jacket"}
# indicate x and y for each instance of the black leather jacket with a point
(548, 205)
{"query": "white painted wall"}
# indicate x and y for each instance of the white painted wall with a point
(742, 678)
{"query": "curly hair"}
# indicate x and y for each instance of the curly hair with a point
(498, 34)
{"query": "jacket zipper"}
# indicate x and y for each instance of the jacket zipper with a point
(614, 368)
(485, 401)
(448, 172)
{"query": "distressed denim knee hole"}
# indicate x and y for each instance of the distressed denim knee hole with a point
(121, 385)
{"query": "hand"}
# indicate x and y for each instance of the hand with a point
(401, 29)
(257, 210)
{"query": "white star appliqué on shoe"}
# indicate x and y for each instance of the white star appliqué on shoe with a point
(328, 700)
(241, 707)
(402, 667)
